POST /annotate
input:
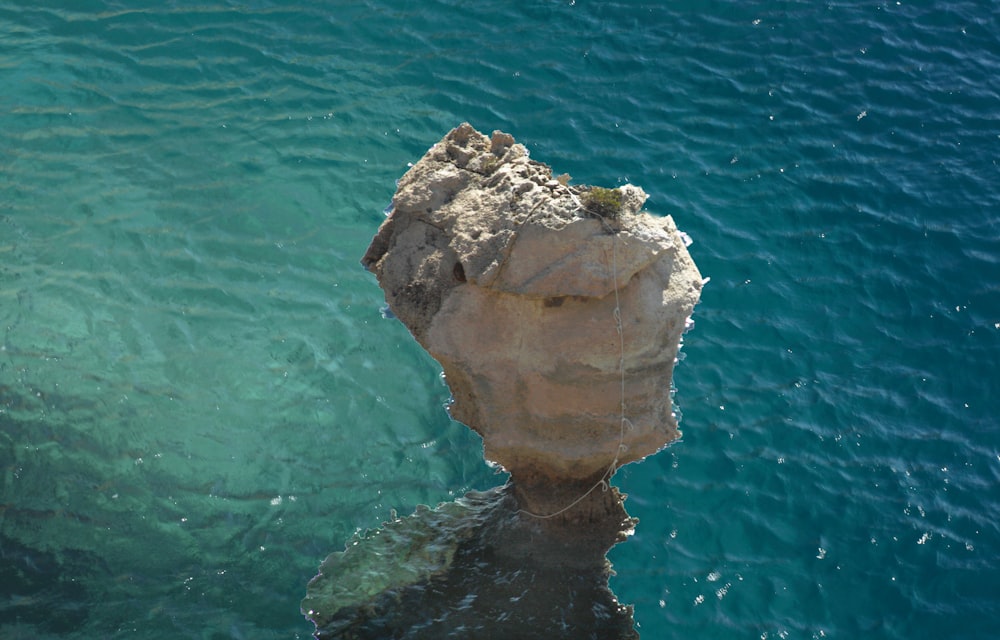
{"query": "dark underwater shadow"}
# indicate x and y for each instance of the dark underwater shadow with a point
(476, 568)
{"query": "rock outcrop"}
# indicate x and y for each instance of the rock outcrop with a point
(555, 310)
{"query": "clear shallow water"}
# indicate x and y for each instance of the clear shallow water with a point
(199, 399)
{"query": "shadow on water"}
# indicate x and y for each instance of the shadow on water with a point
(476, 568)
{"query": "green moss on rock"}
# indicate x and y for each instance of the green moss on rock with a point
(603, 203)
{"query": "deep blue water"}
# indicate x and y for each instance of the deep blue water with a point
(199, 399)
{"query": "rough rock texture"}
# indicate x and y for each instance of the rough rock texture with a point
(511, 281)
(474, 568)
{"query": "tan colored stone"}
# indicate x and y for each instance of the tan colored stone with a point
(501, 273)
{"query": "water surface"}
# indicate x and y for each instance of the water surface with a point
(199, 398)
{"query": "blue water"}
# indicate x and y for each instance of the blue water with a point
(199, 398)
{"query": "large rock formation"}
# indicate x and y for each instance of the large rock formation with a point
(555, 310)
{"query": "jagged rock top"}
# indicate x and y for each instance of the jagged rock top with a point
(486, 193)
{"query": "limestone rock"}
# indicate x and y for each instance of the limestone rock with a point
(514, 284)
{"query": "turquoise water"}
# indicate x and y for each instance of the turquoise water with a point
(199, 398)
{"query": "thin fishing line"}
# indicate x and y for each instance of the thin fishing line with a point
(623, 420)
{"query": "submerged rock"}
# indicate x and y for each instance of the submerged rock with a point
(474, 568)
(556, 311)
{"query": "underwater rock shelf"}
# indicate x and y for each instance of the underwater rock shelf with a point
(556, 312)
(472, 569)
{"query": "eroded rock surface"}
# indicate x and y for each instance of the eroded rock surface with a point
(514, 281)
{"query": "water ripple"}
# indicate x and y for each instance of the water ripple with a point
(187, 191)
